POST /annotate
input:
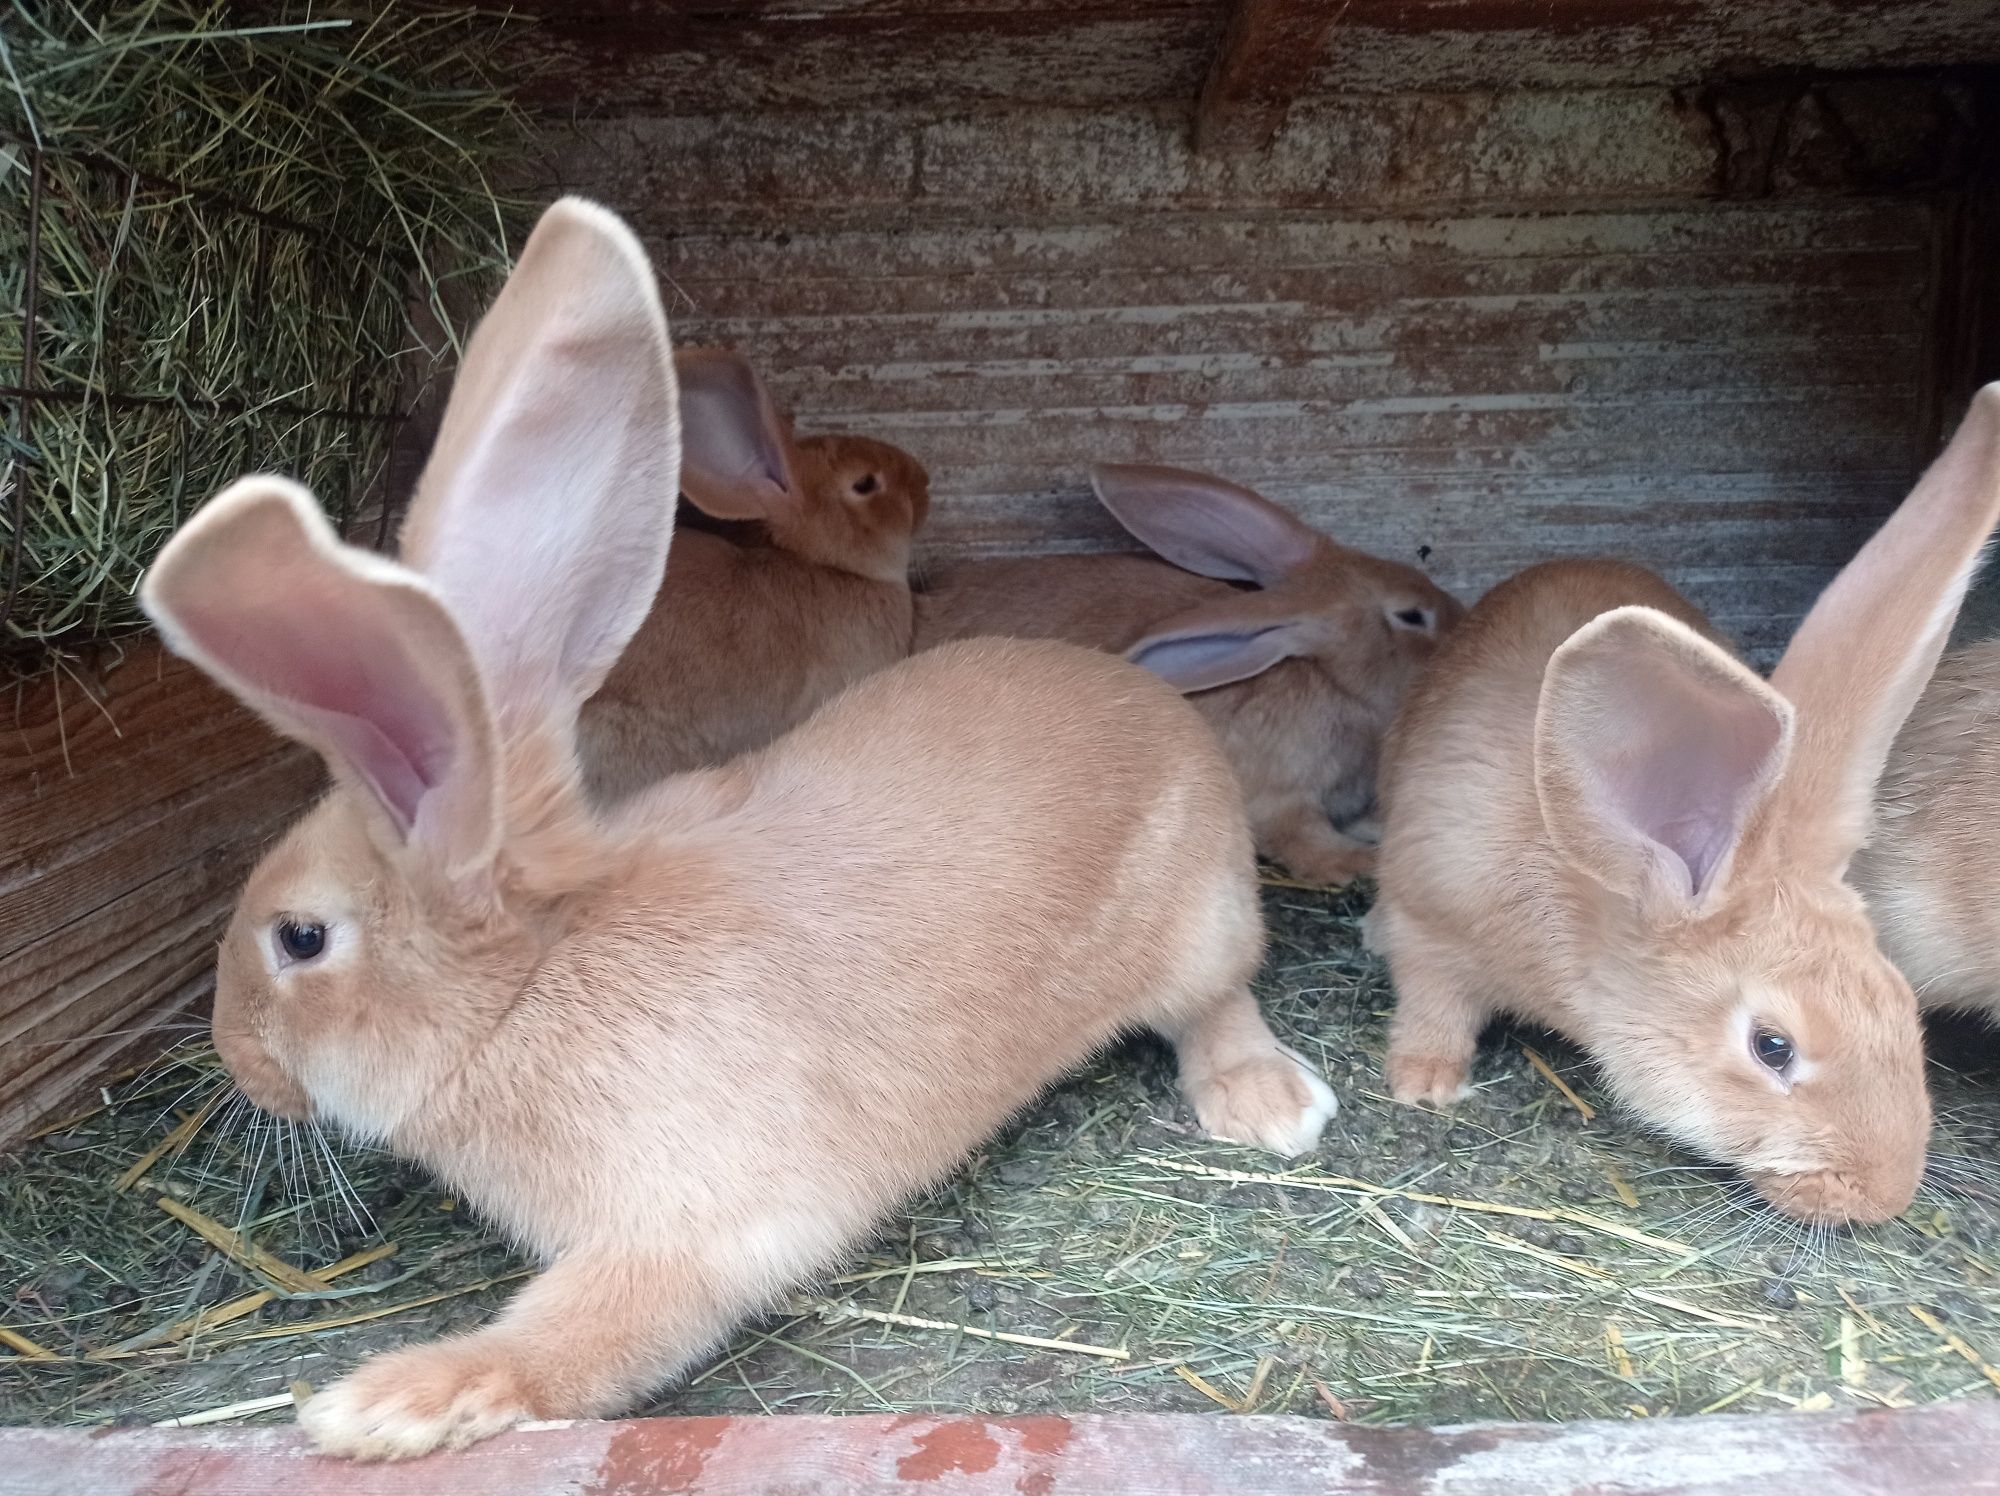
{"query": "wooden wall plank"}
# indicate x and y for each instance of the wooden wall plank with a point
(1449, 44)
(861, 57)
(705, 56)
(900, 168)
(1349, 155)
(131, 805)
(1731, 392)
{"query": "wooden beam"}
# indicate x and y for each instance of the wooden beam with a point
(1962, 344)
(1952, 1448)
(1268, 55)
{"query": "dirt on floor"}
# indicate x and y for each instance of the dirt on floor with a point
(1530, 1255)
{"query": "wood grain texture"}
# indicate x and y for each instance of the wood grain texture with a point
(1952, 1448)
(897, 169)
(894, 168)
(1732, 393)
(1449, 44)
(1476, 330)
(608, 57)
(862, 58)
(131, 805)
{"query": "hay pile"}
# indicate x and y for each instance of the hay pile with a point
(219, 232)
(1529, 1255)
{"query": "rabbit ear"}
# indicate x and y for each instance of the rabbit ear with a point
(1654, 752)
(1865, 651)
(1198, 656)
(340, 649)
(544, 514)
(738, 460)
(1203, 524)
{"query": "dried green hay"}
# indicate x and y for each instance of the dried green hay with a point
(229, 238)
(1334, 1285)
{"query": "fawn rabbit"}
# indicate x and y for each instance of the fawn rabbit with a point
(1931, 870)
(690, 1052)
(1598, 818)
(1298, 677)
(745, 640)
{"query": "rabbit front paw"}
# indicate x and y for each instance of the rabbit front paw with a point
(1274, 1101)
(440, 1396)
(1437, 1080)
(1333, 867)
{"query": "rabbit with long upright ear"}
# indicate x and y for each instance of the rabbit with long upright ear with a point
(1299, 673)
(1599, 819)
(690, 1053)
(746, 639)
(1931, 869)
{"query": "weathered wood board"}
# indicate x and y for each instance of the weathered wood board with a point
(1473, 331)
(760, 56)
(131, 805)
(1952, 1448)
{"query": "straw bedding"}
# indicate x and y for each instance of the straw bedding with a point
(1528, 1255)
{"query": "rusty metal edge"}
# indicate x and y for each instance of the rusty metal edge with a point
(1952, 1447)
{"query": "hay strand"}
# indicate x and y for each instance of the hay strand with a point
(231, 1411)
(245, 1254)
(216, 233)
(1955, 1343)
(33, 1350)
(250, 1303)
(1589, 1112)
(175, 1140)
(1339, 1185)
(835, 1313)
(1093, 1248)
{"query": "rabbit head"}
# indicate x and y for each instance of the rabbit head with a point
(1370, 623)
(845, 502)
(386, 930)
(1736, 993)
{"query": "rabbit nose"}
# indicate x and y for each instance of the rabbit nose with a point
(1831, 1198)
(260, 1077)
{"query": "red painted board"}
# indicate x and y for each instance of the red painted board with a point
(1953, 1448)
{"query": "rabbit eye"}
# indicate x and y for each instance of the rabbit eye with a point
(300, 940)
(1773, 1050)
(1412, 618)
(866, 484)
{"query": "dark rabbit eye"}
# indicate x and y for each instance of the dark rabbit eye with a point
(1413, 618)
(866, 484)
(1773, 1050)
(300, 941)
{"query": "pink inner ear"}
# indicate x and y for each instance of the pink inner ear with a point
(1680, 760)
(359, 691)
(1200, 660)
(1204, 524)
(733, 453)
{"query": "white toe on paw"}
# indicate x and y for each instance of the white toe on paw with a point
(1318, 1112)
(1275, 1102)
(400, 1407)
(1427, 1080)
(1371, 932)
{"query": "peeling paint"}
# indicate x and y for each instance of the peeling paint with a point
(1729, 392)
(1949, 1447)
(958, 1445)
(657, 1457)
